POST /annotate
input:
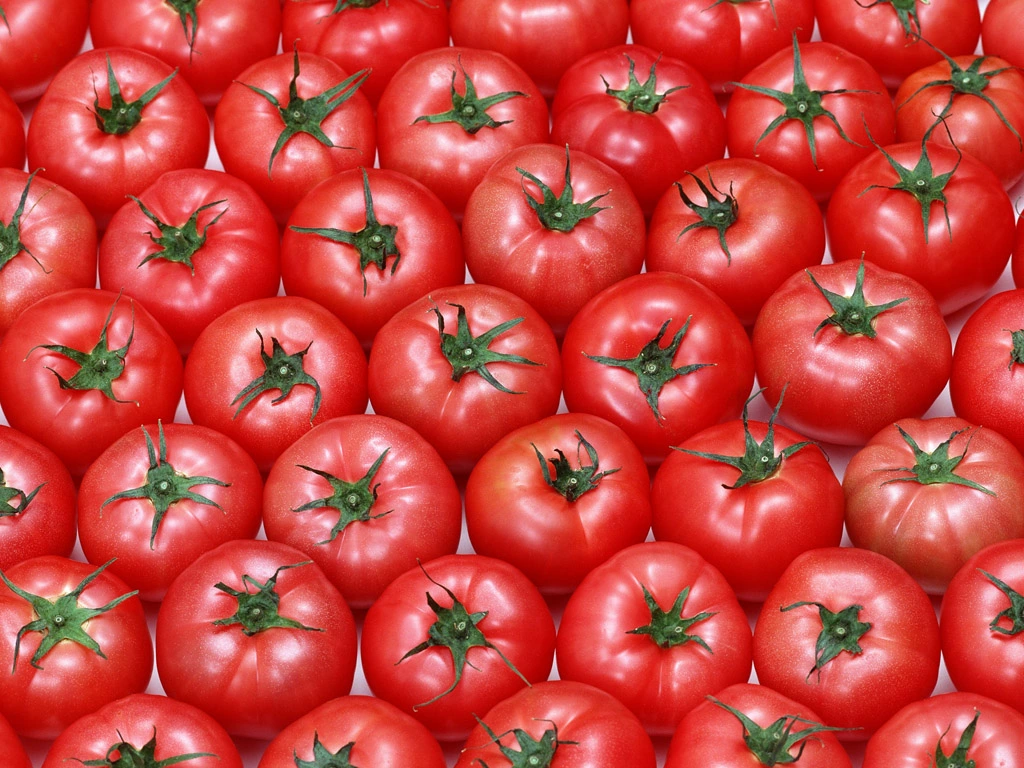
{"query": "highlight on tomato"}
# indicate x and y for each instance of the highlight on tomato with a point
(39, 38)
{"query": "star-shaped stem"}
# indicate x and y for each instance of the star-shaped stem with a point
(852, 314)
(186, 10)
(641, 97)
(258, 611)
(8, 494)
(573, 483)
(561, 213)
(324, 758)
(773, 745)
(958, 757)
(468, 110)
(906, 12)
(179, 244)
(937, 467)
(840, 631)
(1014, 614)
(532, 753)
(715, 213)
(122, 116)
(670, 628)
(283, 372)
(10, 234)
(125, 755)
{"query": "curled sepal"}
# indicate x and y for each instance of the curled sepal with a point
(716, 214)
(670, 628)
(532, 753)
(840, 632)
(561, 213)
(958, 757)
(1014, 614)
(10, 234)
(283, 371)
(906, 13)
(324, 758)
(573, 483)
(468, 110)
(852, 314)
(641, 97)
(352, 501)
(937, 467)
(122, 116)
(62, 619)
(125, 755)
(8, 495)
(455, 629)
(257, 611)
(179, 244)
(186, 10)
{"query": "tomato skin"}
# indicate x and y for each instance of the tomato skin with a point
(237, 263)
(254, 685)
(11, 746)
(778, 230)
(40, 37)
(74, 681)
(327, 272)
(1000, 31)
(512, 513)
(12, 133)
(423, 519)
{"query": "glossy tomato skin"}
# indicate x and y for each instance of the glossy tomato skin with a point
(444, 157)
(556, 272)
(178, 729)
(254, 685)
(87, 421)
(415, 514)
(556, 539)
(101, 168)
(12, 133)
(383, 736)
(596, 729)
(11, 746)
(516, 622)
(620, 321)
(777, 230)
(229, 358)
(651, 150)
(237, 262)
(838, 385)
(42, 520)
(428, 247)
(1000, 31)
(39, 39)
(74, 680)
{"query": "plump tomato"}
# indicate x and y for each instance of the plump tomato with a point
(39, 37)
(11, 746)
(1000, 31)
(12, 133)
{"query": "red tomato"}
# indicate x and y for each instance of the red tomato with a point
(367, 498)
(266, 372)
(82, 368)
(255, 636)
(11, 747)
(74, 639)
(357, 729)
(568, 724)
(289, 122)
(448, 114)
(366, 243)
(808, 113)
(557, 498)
(556, 250)
(145, 730)
(464, 366)
(660, 356)
(111, 123)
(649, 117)
(39, 37)
(47, 243)
(12, 133)
(837, 337)
(1001, 31)
(482, 633)
(739, 227)
(37, 501)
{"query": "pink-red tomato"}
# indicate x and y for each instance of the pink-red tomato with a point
(1002, 30)
(12, 133)
(39, 37)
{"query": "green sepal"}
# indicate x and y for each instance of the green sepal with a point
(958, 757)
(257, 611)
(532, 753)
(324, 758)
(3, 18)
(1014, 614)
(468, 110)
(283, 372)
(1017, 352)
(562, 213)
(8, 494)
(179, 244)
(937, 467)
(573, 483)
(840, 631)
(353, 501)
(125, 755)
(122, 116)
(852, 314)
(186, 10)
(10, 234)
(670, 628)
(716, 214)
(343, 5)
(906, 13)
(641, 97)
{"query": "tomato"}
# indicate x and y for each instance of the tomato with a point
(73, 637)
(37, 501)
(837, 337)
(367, 498)
(914, 209)
(739, 227)
(660, 356)
(255, 636)
(987, 126)
(650, 131)
(464, 366)
(568, 724)
(372, 34)
(11, 747)
(556, 250)
(145, 730)
(357, 729)
(1000, 31)
(266, 372)
(12, 133)
(482, 633)
(39, 37)
(544, 37)
(288, 122)
(210, 41)
(744, 723)
(104, 137)
(83, 367)
(448, 114)
(366, 243)
(557, 498)
(47, 243)
(809, 114)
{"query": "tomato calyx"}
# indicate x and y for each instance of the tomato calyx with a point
(62, 618)
(840, 631)
(958, 757)
(125, 755)
(573, 483)
(1014, 614)
(637, 96)
(164, 485)
(9, 494)
(258, 611)
(3, 18)
(283, 372)
(324, 758)
(122, 116)
(468, 110)
(561, 213)
(670, 628)
(937, 467)
(353, 501)
(186, 10)
(852, 314)
(179, 244)
(1017, 353)
(906, 12)
(10, 234)
(716, 214)
(455, 629)
(532, 753)
(653, 365)
(374, 242)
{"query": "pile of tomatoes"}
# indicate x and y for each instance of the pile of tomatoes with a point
(446, 363)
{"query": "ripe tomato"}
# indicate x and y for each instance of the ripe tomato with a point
(111, 123)
(1000, 31)
(255, 636)
(837, 337)
(190, 247)
(12, 133)
(82, 368)
(11, 747)
(39, 37)
(73, 637)
(739, 227)
(482, 633)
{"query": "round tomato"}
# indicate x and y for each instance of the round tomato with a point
(12, 133)
(39, 37)
(11, 747)
(1001, 31)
